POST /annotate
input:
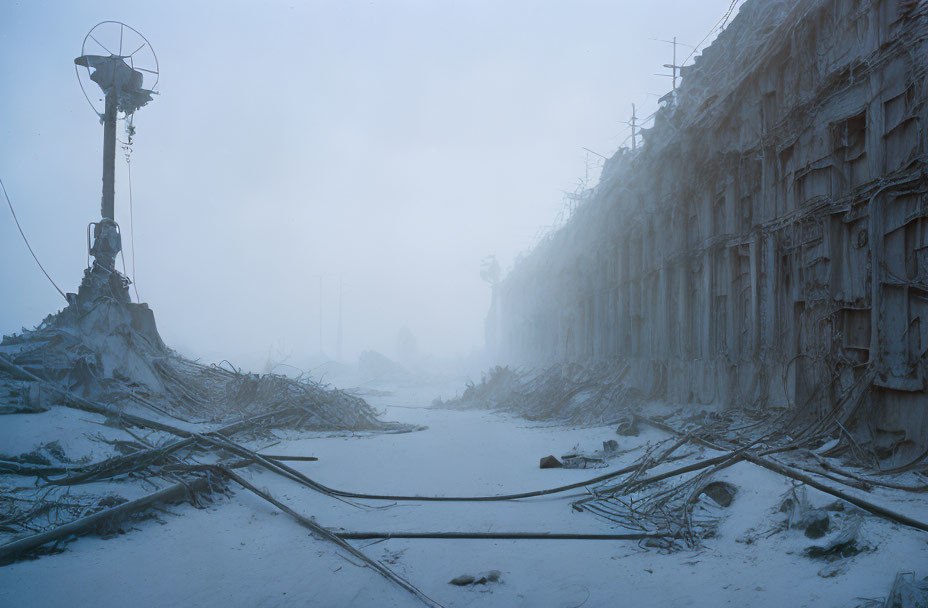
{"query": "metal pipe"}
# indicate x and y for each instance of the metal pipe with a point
(109, 157)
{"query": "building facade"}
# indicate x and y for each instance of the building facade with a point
(768, 245)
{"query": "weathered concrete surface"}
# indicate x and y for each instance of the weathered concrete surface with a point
(769, 243)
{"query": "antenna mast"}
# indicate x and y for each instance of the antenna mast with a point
(122, 79)
(634, 118)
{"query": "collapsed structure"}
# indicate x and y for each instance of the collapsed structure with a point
(768, 246)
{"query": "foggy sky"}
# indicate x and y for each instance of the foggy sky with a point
(389, 144)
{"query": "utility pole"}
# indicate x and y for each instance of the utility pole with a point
(121, 84)
(673, 66)
(595, 153)
(634, 118)
(107, 207)
(320, 314)
(338, 345)
(586, 174)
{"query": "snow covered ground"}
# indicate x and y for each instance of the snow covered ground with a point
(242, 551)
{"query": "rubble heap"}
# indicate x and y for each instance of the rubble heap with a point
(147, 417)
(108, 351)
(99, 411)
(569, 394)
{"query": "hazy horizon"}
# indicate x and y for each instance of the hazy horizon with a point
(389, 145)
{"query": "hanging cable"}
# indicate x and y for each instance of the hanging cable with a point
(132, 227)
(26, 241)
(720, 24)
(130, 132)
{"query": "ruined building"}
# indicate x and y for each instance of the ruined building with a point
(768, 245)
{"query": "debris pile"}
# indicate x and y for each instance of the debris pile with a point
(161, 421)
(687, 503)
(113, 355)
(469, 580)
(570, 394)
(907, 592)
(578, 458)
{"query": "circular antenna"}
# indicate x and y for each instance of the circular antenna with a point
(116, 40)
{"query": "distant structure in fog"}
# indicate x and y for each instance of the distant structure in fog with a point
(407, 347)
(491, 272)
(768, 245)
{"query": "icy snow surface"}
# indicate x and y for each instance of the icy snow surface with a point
(243, 552)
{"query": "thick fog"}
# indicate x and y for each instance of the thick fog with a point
(386, 147)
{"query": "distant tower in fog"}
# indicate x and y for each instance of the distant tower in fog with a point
(490, 272)
(407, 347)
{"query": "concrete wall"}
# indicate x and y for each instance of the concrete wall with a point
(768, 245)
